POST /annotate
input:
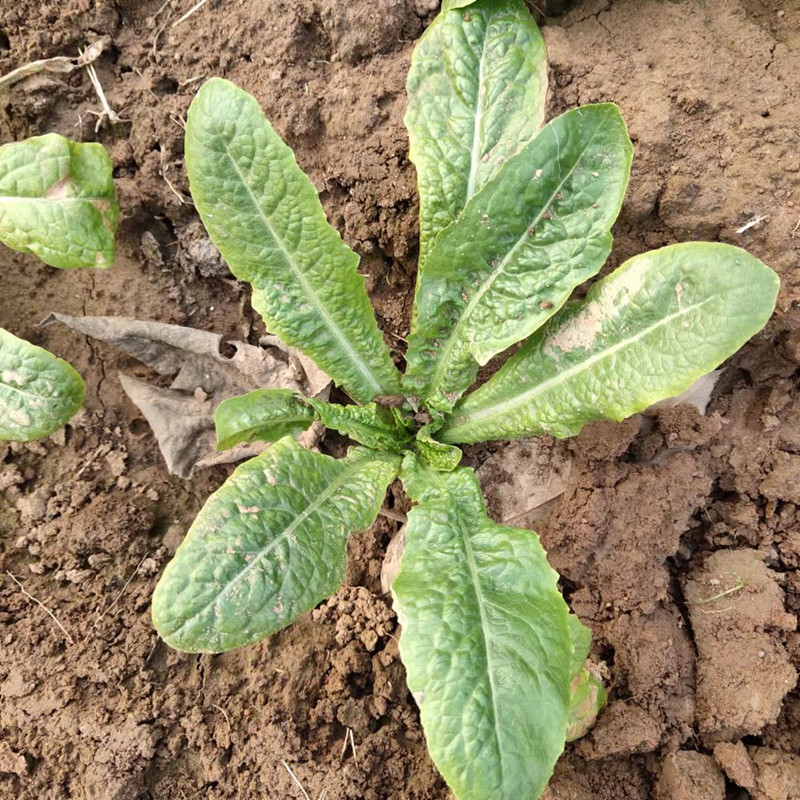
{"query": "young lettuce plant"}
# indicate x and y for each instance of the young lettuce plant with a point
(513, 217)
(57, 202)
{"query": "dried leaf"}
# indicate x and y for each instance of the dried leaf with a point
(182, 424)
(523, 479)
(391, 561)
(182, 416)
(697, 395)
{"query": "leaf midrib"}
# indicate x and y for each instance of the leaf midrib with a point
(507, 406)
(351, 353)
(487, 284)
(485, 627)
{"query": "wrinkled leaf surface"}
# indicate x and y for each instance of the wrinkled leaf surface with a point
(644, 333)
(441, 457)
(261, 415)
(269, 545)
(58, 202)
(539, 228)
(476, 93)
(372, 425)
(485, 640)
(38, 392)
(264, 215)
(270, 414)
(581, 638)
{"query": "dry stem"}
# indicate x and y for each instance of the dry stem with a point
(195, 7)
(295, 779)
(41, 605)
(59, 64)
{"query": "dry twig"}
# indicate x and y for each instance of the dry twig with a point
(295, 779)
(353, 746)
(164, 168)
(222, 711)
(192, 10)
(41, 605)
(752, 223)
(58, 64)
(107, 111)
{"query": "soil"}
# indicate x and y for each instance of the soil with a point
(657, 515)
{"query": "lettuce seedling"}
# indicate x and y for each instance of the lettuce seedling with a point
(57, 202)
(513, 217)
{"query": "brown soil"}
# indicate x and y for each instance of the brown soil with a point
(654, 511)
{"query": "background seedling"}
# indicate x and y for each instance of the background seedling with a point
(57, 202)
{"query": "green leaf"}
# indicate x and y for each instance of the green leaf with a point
(539, 228)
(447, 5)
(581, 638)
(644, 333)
(270, 414)
(267, 546)
(485, 640)
(372, 425)
(264, 215)
(264, 415)
(438, 456)
(476, 94)
(58, 202)
(38, 392)
(587, 700)
(588, 695)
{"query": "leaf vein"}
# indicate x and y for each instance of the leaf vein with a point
(338, 335)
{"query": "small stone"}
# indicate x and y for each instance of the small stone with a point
(425, 7)
(738, 631)
(77, 576)
(369, 638)
(12, 762)
(151, 250)
(149, 567)
(116, 462)
(10, 477)
(777, 774)
(33, 507)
